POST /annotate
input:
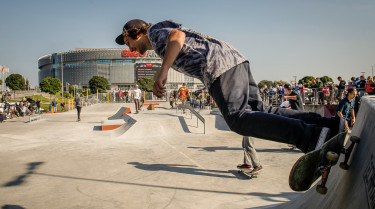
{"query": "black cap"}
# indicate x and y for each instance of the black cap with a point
(287, 86)
(131, 28)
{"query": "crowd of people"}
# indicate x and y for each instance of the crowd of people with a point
(346, 96)
(25, 107)
(318, 92)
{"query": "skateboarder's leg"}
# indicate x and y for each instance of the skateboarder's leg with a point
(236, 94)
(250, 155)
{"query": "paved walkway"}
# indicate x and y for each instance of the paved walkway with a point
(163, 161)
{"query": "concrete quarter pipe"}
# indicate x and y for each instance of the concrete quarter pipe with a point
(354, 188)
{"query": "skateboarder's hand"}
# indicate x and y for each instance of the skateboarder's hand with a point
(352, 122)
(159, 88)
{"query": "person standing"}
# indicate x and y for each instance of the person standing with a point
(346, 107)
(250, 160)
(294, 98)
(136, 94)
(340, 89)
(78, 103)
(182, 94)
(171, 100)
(54, 105)
(120, 95)
(37, 106)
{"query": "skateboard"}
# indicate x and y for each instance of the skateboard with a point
(314, 164)
(247, 172)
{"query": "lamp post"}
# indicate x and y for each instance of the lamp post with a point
(62, 78)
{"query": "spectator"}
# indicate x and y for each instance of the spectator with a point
(78, 103)
(345, 109)
(250, 160)
(340, 88)
(354, 82)
(54, 105)
(1, 116)
(136, 94)
(320, 87)
(361, 85)
(301, 89)
(370, 86)
(121, 95)
(171, 100)
(62, 106)
(38, 106)
(314, 88)
(294, 98)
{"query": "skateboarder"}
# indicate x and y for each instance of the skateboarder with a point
(183, 92)
(226, 74)
(250, 160)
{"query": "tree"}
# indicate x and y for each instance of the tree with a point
(1, 82)
(326, 79)
(15, 82)
(50, 85)
(306, 81)
(146, 84)
(98, 82)
(262, 83)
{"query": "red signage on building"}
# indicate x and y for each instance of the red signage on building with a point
(128, 53)
(148, 64)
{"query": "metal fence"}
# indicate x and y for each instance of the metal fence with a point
(315, 95)
(114, 97)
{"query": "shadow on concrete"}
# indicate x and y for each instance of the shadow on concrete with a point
(143, 185)
(97, 128)
(220, 123)
(187, 169)
(225, 148)
(21, 179)
(183, 124)
(214, 149)
(282, 150)
(12, 207)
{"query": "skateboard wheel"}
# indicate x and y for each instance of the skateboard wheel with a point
(344, 166)
(332, 156)
(321, 190)
(355, 139)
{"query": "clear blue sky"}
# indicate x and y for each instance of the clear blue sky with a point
(281, 38)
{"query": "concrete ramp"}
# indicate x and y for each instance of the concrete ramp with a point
(354, 188)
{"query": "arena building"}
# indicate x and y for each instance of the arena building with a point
(121, 67)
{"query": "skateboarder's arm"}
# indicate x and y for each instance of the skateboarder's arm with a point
(174, 45)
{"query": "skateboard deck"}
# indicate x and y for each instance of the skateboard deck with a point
(247, 172)
(309, 167)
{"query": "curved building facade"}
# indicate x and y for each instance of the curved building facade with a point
(121, 67)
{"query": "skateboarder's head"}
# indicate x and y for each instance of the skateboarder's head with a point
(134, 35)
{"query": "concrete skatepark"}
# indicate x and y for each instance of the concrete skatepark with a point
(163, 160)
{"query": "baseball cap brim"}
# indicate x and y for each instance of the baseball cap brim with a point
(120, 40)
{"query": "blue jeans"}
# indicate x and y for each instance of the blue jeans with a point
(237, 96)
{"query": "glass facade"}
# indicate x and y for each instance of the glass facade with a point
(78, 66)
